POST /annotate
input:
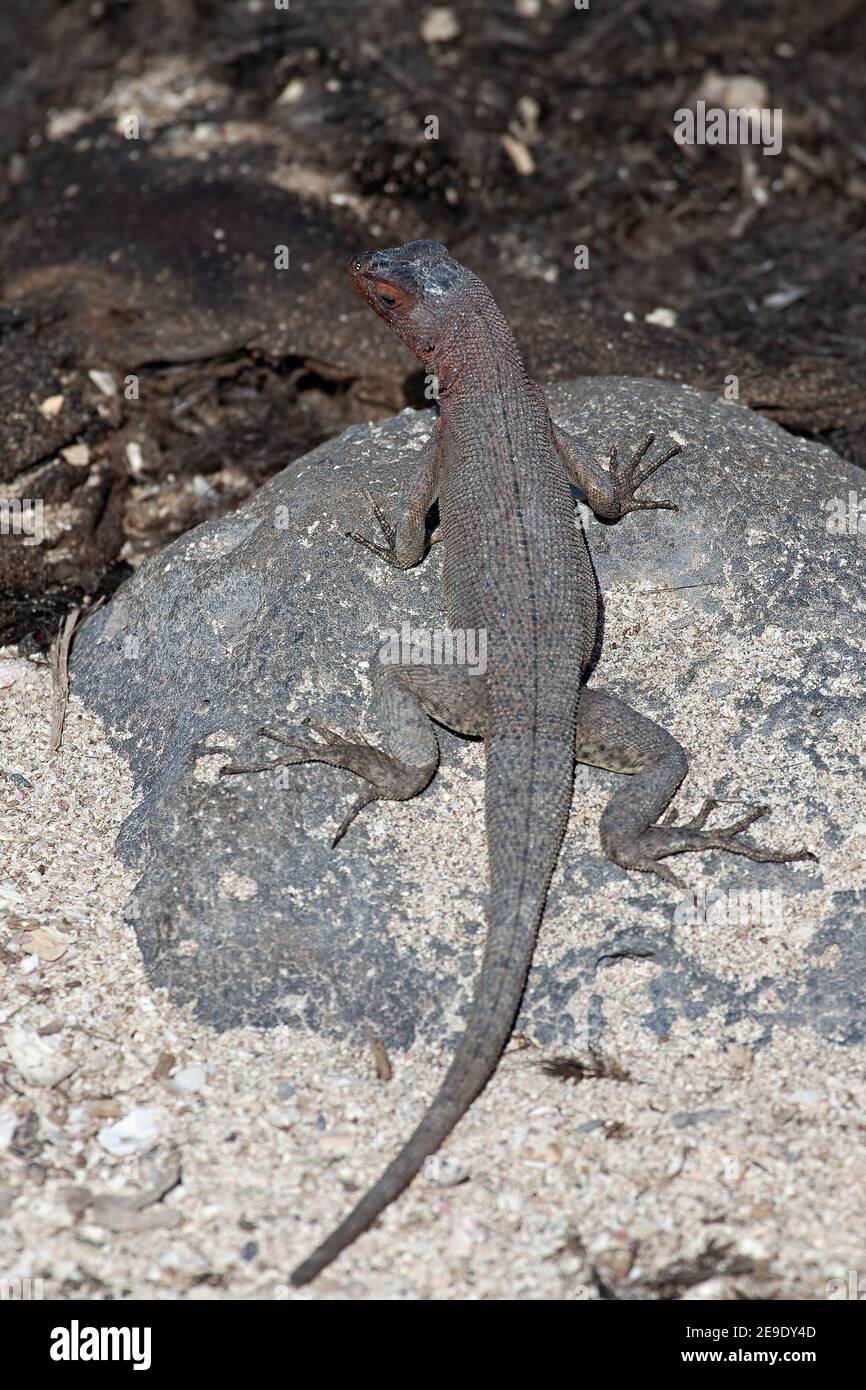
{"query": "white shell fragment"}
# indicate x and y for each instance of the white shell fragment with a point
(135, 1132)
(39, 1060)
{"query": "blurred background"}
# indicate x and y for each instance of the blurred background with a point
(182, 184)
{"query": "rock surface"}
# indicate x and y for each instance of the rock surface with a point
(737, 622)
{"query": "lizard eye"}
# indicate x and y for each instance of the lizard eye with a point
(385, 294)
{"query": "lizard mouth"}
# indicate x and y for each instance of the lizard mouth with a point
(363, 274)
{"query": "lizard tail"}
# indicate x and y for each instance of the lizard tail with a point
(529, 786)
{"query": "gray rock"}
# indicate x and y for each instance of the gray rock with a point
(243, 907)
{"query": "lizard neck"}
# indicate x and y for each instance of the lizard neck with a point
(477, 350)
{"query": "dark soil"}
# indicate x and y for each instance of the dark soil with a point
(151, 261)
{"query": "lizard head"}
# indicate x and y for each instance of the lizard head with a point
(414, 288)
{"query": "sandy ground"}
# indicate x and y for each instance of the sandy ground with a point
(711, 1170)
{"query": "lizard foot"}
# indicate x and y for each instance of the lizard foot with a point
(300, 750)
(388, 551)
(645, 851)
(387, 778)
(629, 477)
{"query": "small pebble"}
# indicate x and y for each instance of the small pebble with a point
(52, 406)
(187, 1079)
(440, 25)
(135, 1132)
(78, 455)
(104, 381)
(663, 317)
(445, 1172)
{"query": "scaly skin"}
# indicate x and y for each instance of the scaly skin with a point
(516, 568)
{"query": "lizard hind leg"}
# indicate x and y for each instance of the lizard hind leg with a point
(405, 700)
(611, 734)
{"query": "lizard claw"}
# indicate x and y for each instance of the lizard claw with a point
(388, 529)
(387, 551)
(699, 821)
(357, 805)
(668, 876)
(371, 546)
(233, 769)
(627, 479)
(326, 734)
(669, 836)
(300, 750)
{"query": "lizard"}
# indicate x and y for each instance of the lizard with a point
(517, 568)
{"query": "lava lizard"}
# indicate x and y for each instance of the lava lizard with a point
(516, 568)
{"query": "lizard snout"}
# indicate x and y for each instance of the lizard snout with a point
(365, 265)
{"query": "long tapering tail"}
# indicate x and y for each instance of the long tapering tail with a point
(529, 781)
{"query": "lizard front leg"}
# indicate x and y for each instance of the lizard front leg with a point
(610, 491)
(405, 537)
